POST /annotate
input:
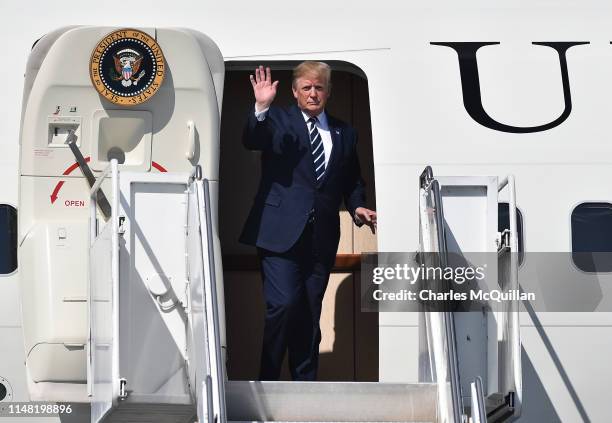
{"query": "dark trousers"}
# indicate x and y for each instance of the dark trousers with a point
(293, 283)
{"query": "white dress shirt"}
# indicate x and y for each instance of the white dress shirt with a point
(322, 127)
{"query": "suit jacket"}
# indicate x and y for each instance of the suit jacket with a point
(288, 191)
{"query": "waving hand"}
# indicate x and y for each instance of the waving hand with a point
(263, 88)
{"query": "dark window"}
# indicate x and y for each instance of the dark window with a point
(8, 239)
(592, 237)
(503, 223)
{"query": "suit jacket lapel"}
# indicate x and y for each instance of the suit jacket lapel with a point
(301, 130)
(299, 125)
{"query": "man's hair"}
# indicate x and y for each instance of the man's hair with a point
(311, 68)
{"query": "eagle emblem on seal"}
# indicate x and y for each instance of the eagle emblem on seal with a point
(127, 65)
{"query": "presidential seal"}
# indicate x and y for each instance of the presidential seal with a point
(127, 67)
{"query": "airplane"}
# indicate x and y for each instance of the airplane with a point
(454, 105)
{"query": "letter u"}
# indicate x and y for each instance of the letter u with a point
(470, 84)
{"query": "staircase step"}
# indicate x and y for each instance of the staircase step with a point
(255, 401)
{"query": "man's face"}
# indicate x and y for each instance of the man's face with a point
(311, 93)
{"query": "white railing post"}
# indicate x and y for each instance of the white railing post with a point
(512, 317)
(113, 170)
(441, 328)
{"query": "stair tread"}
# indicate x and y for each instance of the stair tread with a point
(257, 401)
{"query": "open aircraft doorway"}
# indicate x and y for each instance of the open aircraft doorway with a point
(349, 345)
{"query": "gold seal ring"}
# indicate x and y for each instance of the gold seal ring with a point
(127, 67)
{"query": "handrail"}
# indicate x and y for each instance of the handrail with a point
(435, 187)
(449, 324)
(96, 186)
(479, 411)
(426, 177)
(429, 184)
(214, 310)
(211, 405)
(509, 182)
(113, 170)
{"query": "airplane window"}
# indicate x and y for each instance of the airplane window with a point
(503, 223)
(591, 240)
(8, 239)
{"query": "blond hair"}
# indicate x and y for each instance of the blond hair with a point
(312, 68)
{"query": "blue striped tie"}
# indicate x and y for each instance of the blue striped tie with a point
(316, 145)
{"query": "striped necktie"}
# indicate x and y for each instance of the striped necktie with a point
(316, 145)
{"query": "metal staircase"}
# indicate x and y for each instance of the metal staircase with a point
(482, 379)
(156, 324)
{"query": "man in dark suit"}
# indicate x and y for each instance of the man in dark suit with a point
(308, 165)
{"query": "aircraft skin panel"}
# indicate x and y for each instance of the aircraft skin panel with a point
(10, 316)
(399, 347)
(13, 370)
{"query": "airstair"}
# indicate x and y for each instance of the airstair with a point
(475, 356)
(156, 317)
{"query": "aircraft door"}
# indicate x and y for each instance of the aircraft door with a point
(149, 98)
